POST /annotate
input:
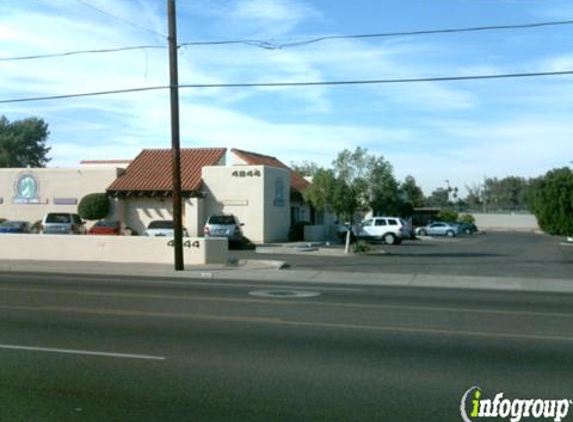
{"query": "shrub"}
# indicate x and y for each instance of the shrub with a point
(361, 247)
(467, 218)
(94, 206)
(2, 220)
(449, 216)
(36, 226)
(296, 232)
(551, 200)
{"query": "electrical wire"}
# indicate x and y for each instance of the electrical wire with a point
(125, 21)
(268, 45)
(73, 53)
(297, 84)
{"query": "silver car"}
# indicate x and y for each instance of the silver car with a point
(62, 223)
(224, 226)
(438, 229)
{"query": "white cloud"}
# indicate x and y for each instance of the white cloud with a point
(274, 17)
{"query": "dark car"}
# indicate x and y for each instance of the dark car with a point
(107, 228)
(467, 228)
(15, 227)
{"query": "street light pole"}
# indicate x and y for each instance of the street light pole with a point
(175, 144)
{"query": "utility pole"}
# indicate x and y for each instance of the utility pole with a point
(175, 144)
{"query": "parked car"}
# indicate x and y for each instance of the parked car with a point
(15, 227)
(162, 228)
(62, 223)
(438, 229)
(107, 228)
(391, 230)
(219, 225)
(467, 228)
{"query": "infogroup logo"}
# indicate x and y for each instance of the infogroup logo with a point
(474, 407)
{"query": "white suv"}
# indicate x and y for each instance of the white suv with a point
(389, 229)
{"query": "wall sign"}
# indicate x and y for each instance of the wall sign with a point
(246, 173)
(65, 201)
(26, 188)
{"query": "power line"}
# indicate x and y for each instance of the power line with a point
(125, 21)
(296, 84)
(268, 45)
(77, 52)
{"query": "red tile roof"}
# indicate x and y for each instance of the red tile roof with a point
(151, 170)
(297, 182)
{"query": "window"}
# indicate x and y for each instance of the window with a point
(58, 218)
(392, 222)
(381, 222)
(367, 223)
(222, 220)
(161, 224)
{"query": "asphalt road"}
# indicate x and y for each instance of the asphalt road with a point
(85, 348)
(495, 254)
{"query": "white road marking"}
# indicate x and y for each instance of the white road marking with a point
(79, 352)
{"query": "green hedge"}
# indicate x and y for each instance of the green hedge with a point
(94, 206)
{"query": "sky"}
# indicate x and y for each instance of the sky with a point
(459, 131)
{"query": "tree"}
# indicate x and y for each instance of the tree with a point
(23, 143)
(305, 168)
(370, 179)
(475, 195)
(439, 198)
(319, 193)
(94, 206)
(507, 193)
(467, 218)
(331, 193)
(412, 193)
(551, 200)
(449, 216)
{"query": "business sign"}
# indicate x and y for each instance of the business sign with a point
(26, 188)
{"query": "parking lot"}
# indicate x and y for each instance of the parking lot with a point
(495, 254)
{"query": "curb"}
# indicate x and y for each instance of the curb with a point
(262, 264)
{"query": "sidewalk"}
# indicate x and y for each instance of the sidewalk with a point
(270, 272)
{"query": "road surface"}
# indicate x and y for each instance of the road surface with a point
(87, 348)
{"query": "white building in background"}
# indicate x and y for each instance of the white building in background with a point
(264, 193)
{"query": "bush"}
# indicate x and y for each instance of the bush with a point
(551, 199)
(467, 218)
(296, 232)
(36, 226)
(2, 220)
(94, 206)
(361, 247)
(449, 216)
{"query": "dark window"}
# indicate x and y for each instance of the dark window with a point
(58, 218)
(392, 222)
(380, 222)
(161, 224)
(222, 220)
(107, 224)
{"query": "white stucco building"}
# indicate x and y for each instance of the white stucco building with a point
(264, 193)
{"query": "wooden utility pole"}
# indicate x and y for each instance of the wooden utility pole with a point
(175, 144)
